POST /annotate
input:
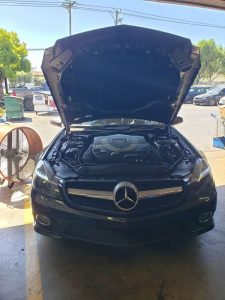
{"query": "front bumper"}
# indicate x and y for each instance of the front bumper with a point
(201, 101)
(188, 100)
(120, 231)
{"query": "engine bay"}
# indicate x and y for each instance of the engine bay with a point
(105, 154)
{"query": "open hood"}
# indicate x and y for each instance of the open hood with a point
(120, 72)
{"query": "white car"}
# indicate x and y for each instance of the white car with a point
(222, 101)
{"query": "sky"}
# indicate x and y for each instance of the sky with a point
(41, 27)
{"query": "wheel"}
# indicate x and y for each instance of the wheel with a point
(28, 103)
(212, 102)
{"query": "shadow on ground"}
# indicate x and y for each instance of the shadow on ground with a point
(183, 269)
(47, 114)
(16, 196)
(21, 121)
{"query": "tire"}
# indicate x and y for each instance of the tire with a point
(212, 102)
(28, 103)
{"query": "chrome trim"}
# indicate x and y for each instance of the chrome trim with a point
(91, 193)
(160, 192)
(107, 195)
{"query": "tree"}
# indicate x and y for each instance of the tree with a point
(212, 60)
(39, 80)
(21, 78)
(13, 57)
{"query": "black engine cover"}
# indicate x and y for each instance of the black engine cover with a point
(118, 148)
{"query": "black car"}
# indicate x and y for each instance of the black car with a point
(212, 97)
(119, 173)
(195, 91)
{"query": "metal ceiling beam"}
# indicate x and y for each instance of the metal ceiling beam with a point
(215, 4)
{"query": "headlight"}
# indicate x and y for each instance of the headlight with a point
(45, 181)
(201, 170)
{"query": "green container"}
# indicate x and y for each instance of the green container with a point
(14, 107)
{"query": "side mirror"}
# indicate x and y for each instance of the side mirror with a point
(178, 120)
(56, 122)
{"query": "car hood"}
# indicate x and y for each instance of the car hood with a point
(120, 72)
(202, 96)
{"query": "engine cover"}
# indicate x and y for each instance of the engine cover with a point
(118, 147)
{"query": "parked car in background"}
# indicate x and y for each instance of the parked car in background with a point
(212, 97)
(196, 90)
(27, 94)
(43, 102)
(222, 101)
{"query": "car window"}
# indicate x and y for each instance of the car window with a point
(215, 91)
(199, 90)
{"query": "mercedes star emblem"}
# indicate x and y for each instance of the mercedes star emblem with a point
(125, 196)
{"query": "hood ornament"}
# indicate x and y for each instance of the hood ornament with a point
(125, 196)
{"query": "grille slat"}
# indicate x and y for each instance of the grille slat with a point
(144, 205)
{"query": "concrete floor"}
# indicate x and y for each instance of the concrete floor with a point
(35, 267)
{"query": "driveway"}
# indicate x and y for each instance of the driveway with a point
(35, 267)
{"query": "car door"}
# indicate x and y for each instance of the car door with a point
(220, 95)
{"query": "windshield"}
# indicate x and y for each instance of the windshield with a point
(119, 122)
(199, 89)
(216, 90)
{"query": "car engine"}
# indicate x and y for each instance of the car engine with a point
(118, 148)
(102, 155)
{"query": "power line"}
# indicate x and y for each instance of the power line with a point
(30, 3)
(97, 6)
(114, 12)
(92, 9)
(175, 21)
(133, 13)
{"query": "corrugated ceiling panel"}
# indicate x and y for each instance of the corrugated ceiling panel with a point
(217, 4)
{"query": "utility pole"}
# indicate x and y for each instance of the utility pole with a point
(68, 5)
(117, 16)
(6, 86)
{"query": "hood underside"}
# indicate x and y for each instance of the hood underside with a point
(120, 72)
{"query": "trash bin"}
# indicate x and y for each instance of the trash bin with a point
(14, 107)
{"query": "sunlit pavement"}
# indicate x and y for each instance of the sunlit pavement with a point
(36, 267)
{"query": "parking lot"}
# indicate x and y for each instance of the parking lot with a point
(42, 268)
